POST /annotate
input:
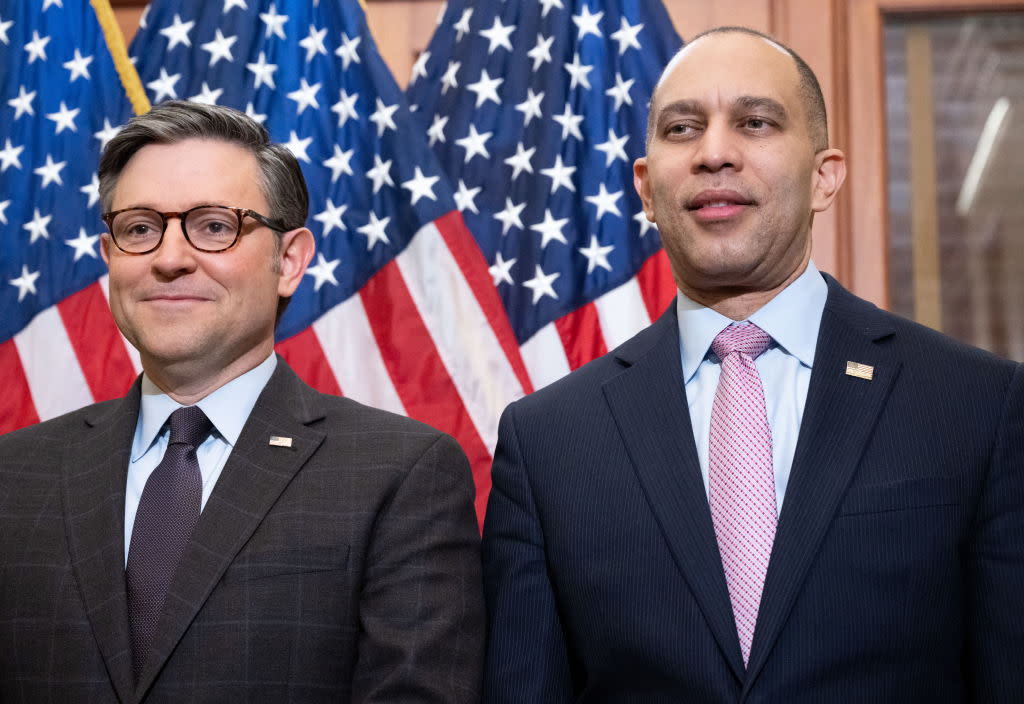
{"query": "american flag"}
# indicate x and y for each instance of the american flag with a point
(537, 110)
(397, 309)
(60, 101)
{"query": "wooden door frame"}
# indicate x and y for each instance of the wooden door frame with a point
(862, 240)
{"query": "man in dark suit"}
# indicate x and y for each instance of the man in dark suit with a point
(267, 543)
(777, 492)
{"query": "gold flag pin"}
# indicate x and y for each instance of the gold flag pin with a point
(861, 371)
(278, 441)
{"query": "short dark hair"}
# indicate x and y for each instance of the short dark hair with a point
(810, 89)
(281, 180)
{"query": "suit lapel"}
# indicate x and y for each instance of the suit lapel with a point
(252, 480)
(95, 471)
(839, 416)
(648, 402)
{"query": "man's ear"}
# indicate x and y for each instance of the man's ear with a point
(828, 178)
(642, 186)
(297, 247)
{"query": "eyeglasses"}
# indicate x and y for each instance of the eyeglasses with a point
(208, 228)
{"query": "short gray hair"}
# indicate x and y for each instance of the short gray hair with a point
(281, 179)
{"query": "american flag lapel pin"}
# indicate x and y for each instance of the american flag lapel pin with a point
(278, 441)
(861, 371)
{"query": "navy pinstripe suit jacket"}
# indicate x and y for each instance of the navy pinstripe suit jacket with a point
(897, 573)
(343, 568)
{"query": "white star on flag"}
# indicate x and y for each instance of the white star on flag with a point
(560, 175)
(345, 107)
(474, 143)
(509, 217)
(374, 231)
(380, 173)
(340, 163)
(79, 66)
(92, 190)
(323, 271)
(498, 35)
(540, 284)
(330, 217)
(464, 197)
(274, 22)
(22, 103)
(486, 89)
(64, 118)
(177, 33)
(420, 186)
(164, 86)
(299, 146)
(586, 23)
(383, 117)
(520, 161)
(596, 255)
(84, 245)
(9, 156)
(51, 171)
(550, 229)
(37, 226)
(605, 202)
(348, 50)
(26, 283)
(263, 72)
(314, 43)
(626, 36)
(613, 148)
(305, 96)
(501, 270)
(436, 131)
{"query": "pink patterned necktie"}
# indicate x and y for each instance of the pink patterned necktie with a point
(741, 479)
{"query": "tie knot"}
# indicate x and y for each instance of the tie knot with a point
(746, 338)
(189, 426)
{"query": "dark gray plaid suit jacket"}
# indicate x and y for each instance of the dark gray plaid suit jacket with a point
(342, 568)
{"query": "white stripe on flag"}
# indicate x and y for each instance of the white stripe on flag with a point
(544, 356)
(351, 351)
(461, 333)
(622, 313)
(54, 377)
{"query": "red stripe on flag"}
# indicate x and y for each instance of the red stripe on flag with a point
(97, 343)
(474, 270)
(418, 373)
(18, 409)
(657, 286)
(581, 335)
(306, 357)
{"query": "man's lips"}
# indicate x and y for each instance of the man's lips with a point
(714, 205)
(173, 298)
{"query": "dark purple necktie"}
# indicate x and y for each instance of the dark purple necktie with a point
(168, 511)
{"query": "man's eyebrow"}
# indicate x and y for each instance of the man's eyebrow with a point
(681, 107)
(756, 103)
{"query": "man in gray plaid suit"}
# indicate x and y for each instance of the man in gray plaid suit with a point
(300, 547)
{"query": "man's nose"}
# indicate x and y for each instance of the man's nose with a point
(718, 148)
(175, 253)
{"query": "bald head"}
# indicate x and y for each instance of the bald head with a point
(810, 91)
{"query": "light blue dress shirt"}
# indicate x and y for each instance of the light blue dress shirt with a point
(227, 408)
(792, 319)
